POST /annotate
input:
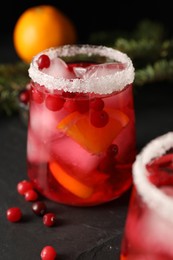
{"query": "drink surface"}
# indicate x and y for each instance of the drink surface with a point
(81, 146)
(148, 230)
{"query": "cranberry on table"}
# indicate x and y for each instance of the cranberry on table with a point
(14, 214)
(49, 219)
(39, 208)
(48, 253)
(23, 186)
(31, 195)
(43, 61)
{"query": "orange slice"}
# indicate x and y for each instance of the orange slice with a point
(93, 139)
(69, 183)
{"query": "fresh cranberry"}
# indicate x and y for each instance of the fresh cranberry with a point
(43, 62)
(70, 105)
(24, 186)
(14, 214)
(39, 208)
(54, 102)
(48, 253)
(49, 219)
(112, 150)
(97, 104)
(99, 118)
(31, 195)
(24, 96)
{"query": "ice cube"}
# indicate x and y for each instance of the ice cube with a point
(99, 70)
(71, 153)
(79, 71)
(59, 69)
(43, 122)
(148, 233)
(37, 152)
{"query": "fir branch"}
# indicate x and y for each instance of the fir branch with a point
(143, 49)
(14, 74)
(159, 71)
(13, 78)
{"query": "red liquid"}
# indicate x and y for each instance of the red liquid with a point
(80, 149)
(147, 234)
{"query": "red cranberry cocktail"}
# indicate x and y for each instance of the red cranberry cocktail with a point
(81, 130)
(148, 230)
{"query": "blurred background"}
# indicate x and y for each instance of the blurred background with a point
(91, 16)
(94, 15)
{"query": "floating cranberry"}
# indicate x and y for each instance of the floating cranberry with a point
(54, 102)
(14, 214)
(49, 219)
(70, 105)
(97, 104)
(99, 118)
(39, 208)
(24, 186)
(43, 62)
(112, 150)
(48, 253)
(31, 195)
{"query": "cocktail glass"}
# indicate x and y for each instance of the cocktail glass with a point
(81, 129)
(148, 232)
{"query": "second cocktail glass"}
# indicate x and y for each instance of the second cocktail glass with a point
(81, 131)
(148, 232)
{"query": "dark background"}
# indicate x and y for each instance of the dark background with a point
(103, 16)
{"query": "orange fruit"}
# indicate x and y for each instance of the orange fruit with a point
(39, 28)
(68, 182)
(93, 139)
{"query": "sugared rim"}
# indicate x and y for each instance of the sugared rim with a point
(151, 195)
(102, 85)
